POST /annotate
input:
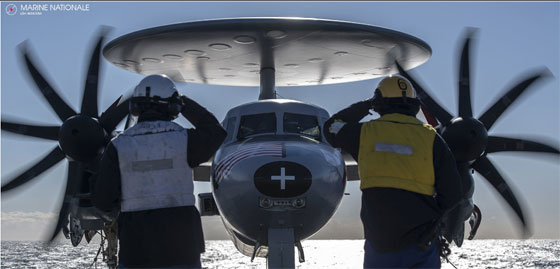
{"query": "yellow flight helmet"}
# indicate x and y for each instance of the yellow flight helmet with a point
(394, 90)
(396, 86)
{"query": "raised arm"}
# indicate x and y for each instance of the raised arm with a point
(342, 130)
(206, 137)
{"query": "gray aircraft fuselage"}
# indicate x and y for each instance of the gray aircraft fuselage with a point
(277, 176)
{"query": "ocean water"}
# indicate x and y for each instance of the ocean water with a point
(318, 254)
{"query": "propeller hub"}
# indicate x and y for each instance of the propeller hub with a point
(82, 138)
(467, 138)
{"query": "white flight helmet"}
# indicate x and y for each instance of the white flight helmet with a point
(156, 94)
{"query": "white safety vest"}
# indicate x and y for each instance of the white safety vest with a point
(154, 168)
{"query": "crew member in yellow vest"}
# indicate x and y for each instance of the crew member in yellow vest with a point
(408, 175)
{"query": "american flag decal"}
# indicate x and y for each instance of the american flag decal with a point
(224, 166)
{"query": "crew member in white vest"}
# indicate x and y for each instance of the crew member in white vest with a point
(146, 173)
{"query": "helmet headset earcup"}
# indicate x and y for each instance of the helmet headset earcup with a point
(377, 101)
(174, 109)
(175, 105)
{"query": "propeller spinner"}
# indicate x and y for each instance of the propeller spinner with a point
(81, 137)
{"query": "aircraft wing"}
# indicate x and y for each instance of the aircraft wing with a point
(202, 172)
(351, 167)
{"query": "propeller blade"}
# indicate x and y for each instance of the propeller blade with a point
(495, 111)
(45, 132)
(465, 107)
(440, 113)
(483, 166)
(89, 98)
(75, 173)
(57, 104)
(113, 105)
(55, 156)
(62, 220)
(499, 144)
(113, 115)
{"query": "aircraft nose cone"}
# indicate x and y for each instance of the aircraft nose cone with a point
(282, 179)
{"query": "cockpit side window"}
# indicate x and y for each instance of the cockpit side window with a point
(306, 125)
(230, 128)
(256, 124)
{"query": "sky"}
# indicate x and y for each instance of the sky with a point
(514, 37)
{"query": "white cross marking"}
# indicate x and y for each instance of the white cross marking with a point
(282, 177)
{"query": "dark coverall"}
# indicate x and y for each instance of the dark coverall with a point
(167, 236)
(395, 220)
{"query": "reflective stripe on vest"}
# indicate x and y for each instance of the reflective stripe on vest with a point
(396, 151)
(154, 168)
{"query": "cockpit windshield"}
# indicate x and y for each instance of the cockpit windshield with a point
(306, 125)
(256, 124)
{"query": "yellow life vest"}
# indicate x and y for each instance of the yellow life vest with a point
(396, 151)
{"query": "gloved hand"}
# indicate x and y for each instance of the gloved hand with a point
(192, 111)
(370, 102)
